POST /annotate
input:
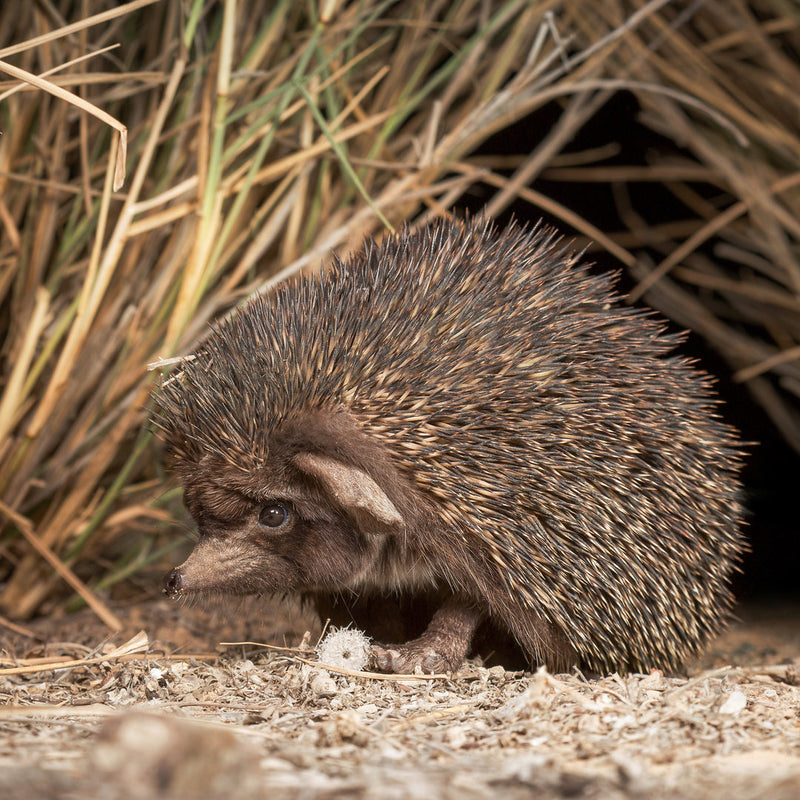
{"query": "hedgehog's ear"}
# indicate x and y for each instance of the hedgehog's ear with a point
(353, 490)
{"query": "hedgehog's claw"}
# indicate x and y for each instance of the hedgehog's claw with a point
(405, 659)
(442, 648)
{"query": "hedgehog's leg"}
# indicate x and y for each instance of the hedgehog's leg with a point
(443, 646)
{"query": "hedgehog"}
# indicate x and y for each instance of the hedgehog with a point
(461, 428)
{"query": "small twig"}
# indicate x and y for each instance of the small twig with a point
(134, 645)
(45, 713)
(324, 631)
(377, 676)
(431, 717)
(26, 528)
(161, 363)
(719, 672)
(268, 647)
(7, 623)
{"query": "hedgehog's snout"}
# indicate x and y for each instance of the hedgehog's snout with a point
(173, 583)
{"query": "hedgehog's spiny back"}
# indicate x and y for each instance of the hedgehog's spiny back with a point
(437, 310)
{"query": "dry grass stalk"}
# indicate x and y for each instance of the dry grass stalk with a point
(732, 273)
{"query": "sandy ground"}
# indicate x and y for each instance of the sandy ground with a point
(191, 719)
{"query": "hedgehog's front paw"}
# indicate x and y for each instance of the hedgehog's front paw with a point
(406, 658)
(443, 646)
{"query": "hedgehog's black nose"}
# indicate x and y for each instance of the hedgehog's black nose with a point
(173, 583)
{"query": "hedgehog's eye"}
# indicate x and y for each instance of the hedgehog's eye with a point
(273, 515)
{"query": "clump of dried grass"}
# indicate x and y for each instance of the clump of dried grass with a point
(263, 135)
(730, 269)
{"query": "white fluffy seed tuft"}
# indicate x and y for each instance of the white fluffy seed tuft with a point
(346, 648)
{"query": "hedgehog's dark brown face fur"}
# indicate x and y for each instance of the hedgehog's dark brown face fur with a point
(327, 516)
(320, 514)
